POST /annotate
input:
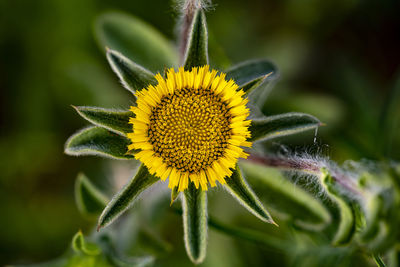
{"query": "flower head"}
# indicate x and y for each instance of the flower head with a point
(190, 127)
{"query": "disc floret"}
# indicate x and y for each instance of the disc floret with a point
(191, 126)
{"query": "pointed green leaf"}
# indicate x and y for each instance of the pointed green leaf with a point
(281, 125)
(241, 191)
(113, 120)
(197, 49)
(347, 225)
(250, 86)
(126, 196)
(378, 260)
(346, 228)
(194, 215)
(133, 76)
(374, 206)
(174, 194)
(378, 227)
(294, 204)
(89, 199)
(80, 245)
(98, 141)
(249, 75)
(136, 40)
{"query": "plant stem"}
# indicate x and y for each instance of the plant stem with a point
(309, 166)
(286, 163)
(188, 10)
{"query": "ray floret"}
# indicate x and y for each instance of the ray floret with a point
(191, 127)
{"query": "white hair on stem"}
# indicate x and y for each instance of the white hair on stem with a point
(187, 10)
(305, 170)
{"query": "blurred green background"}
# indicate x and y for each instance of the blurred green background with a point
(339, 60)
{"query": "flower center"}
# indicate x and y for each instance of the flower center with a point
(190, 129)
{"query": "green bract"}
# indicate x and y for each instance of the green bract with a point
(132, 44)
(126, 196)
(89, 199)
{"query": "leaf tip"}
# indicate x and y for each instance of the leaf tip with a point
(80, 177)
(174, 195)
(110, 53)
(198, 260)
(273, 222)
(267, 75)
(267, 218)
(79, 110)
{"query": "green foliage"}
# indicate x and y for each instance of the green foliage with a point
(250, 75)
(82, 260)
(295, 205)
(194, 205)
(80, 245)
(197, 48)
(374, 205)
(94, 254)
(282, 125)
(379, 261)
(90, 200)
(113, 120)
(133, 77)
(241, 191)
(98, 141)
(126, 196)
(347, 224)
(174, 194)
(352, 217)
(136, 40)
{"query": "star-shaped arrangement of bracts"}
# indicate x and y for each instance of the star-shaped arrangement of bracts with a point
(190, 125)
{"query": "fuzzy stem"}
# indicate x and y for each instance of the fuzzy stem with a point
(286, 163)
(188, 10)
(309, 166)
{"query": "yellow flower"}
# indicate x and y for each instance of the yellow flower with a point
(191, 126)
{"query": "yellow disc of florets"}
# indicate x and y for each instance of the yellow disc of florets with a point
(190, 127)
